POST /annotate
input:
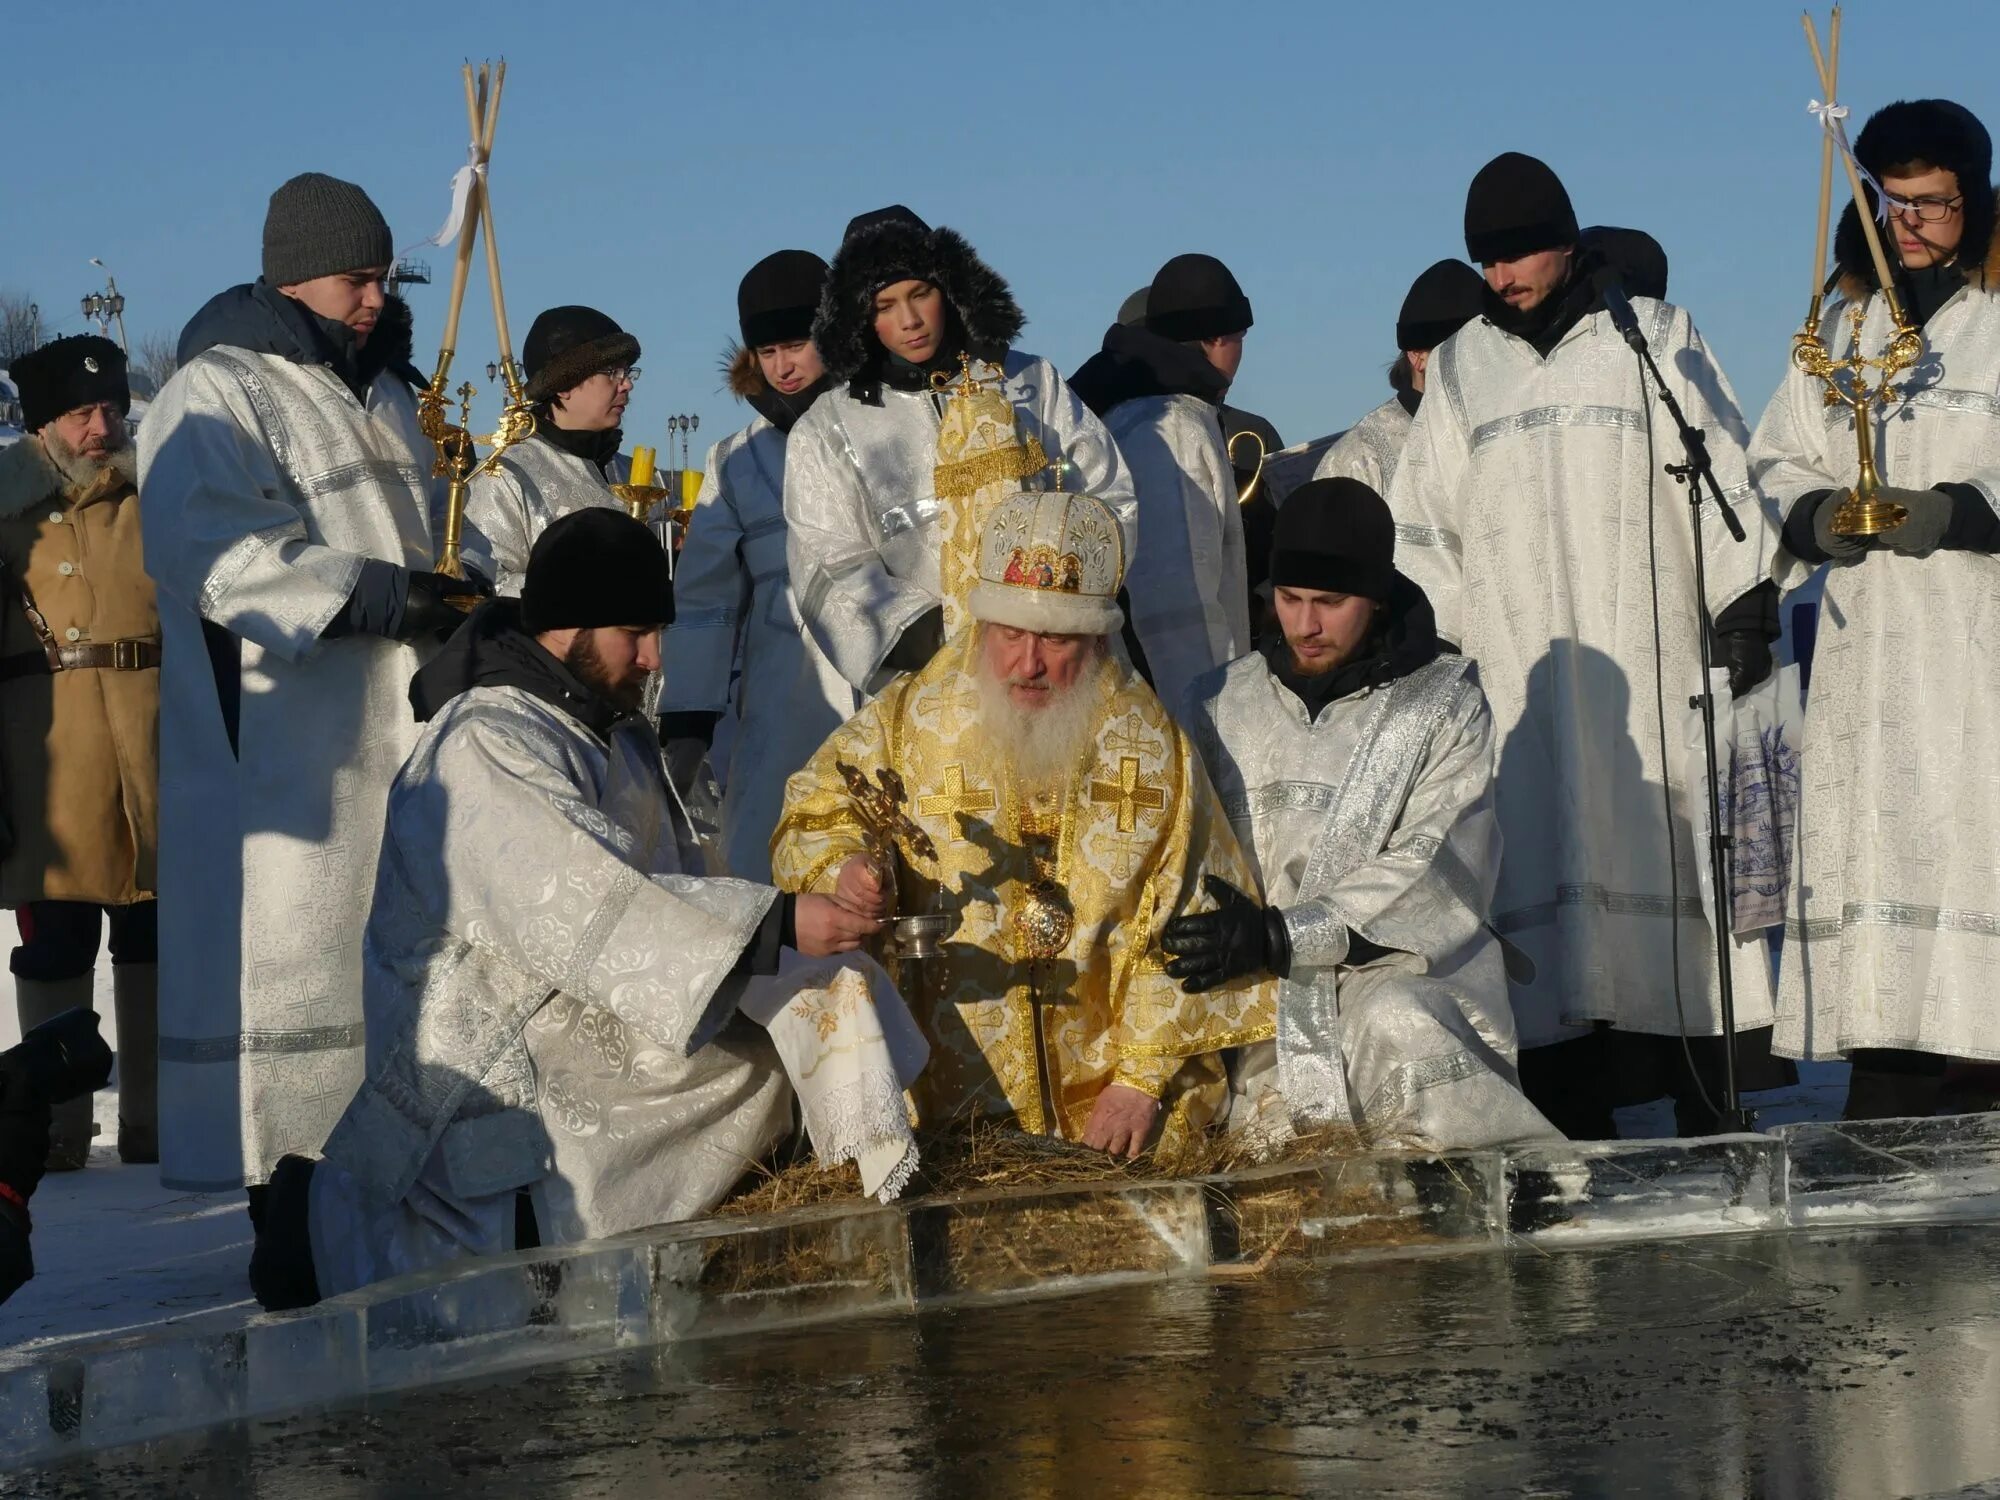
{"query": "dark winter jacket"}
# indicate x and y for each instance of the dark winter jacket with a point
(258, 317)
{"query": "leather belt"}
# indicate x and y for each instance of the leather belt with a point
(102, 656)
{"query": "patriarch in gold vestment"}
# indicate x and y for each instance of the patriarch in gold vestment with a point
(1069, 820)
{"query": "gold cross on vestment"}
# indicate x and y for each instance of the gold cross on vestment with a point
(1130, 735)
(957, 797)
(1128, 794)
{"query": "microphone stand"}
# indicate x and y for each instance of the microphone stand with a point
(1695, 473)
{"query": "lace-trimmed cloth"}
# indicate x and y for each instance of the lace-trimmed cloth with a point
(850, 1047)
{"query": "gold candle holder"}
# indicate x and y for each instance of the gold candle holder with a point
(1862, 512)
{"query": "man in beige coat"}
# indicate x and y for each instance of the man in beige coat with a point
(79, 712)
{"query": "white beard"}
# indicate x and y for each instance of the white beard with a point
(83, 473)
(1041, 747)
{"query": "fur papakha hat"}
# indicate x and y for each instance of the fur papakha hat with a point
(891, 245)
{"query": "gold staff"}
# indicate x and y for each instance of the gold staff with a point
(454, 441)
(517, 422)
(1862, 512)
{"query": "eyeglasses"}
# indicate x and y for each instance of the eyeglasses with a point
(1928, 210)
(622, 375)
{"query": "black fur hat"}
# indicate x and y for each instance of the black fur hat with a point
(892, 245)
(66, 373)
(1940, 134)
(568, 345)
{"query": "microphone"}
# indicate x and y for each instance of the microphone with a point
(1611, 289)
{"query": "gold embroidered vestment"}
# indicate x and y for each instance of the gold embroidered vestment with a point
(1061, 896)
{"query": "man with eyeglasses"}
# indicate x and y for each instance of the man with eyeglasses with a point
(79, 709)
(1534, 511)
(288, 527)
(1890, 954)
(580, 368)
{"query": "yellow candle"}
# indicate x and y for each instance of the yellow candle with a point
(642, 466)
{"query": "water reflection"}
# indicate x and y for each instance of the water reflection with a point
(1823, 1366)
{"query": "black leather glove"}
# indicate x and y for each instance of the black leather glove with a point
(1741, 640)
(400, 605)
(918, 644)
(1241, 936)
(426, 607)
(1747, 655)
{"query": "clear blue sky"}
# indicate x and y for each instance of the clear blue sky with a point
(648, 154)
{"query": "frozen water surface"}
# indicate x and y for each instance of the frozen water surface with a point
(1823, 1364)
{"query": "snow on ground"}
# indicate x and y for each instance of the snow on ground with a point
(116, 1252)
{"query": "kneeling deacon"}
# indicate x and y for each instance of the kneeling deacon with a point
(555, 1047)
(1355, 759)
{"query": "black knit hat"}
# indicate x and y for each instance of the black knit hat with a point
(1939, 134)
(596, 566)
(890, 245)
(778, 296)
(568, 345)
(66, 373)
(1195, 297)
(1515, 207)
(1335, 535)
(318, 225)
(1439, 303)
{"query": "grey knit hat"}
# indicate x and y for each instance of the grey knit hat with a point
(320, 226)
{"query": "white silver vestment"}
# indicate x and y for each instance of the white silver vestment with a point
(1188, 582)
(1893, 938)
(863, 511)
(267, 483)
(1375, 819)
(510, 505)
(1532, 506)
(542, 998)
(1368, 451)
(734, 607)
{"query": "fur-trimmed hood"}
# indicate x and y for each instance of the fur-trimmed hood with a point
(745, 378)
(28, 476)
(890, 249)
(742, 372)
(1978, 252)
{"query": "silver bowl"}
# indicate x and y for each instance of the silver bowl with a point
(919, 936)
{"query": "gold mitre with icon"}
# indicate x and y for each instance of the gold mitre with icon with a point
(1050, 562)
(981, 459)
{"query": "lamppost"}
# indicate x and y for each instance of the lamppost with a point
(492, 371)
(107, 305)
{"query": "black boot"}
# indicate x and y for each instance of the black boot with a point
(1567, 1081)
(281, 1267)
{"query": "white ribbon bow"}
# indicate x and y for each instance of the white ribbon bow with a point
(461, 198)
(1831, 117)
